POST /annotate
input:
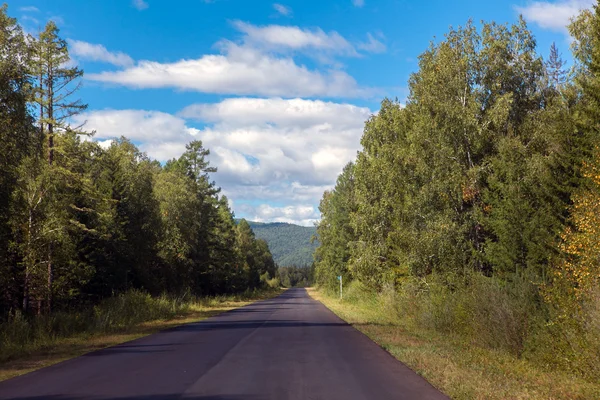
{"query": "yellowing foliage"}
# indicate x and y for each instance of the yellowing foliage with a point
(580, 270)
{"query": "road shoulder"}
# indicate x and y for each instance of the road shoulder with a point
(458, 369)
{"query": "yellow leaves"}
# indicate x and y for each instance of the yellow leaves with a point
(469, 193)
(580, 270)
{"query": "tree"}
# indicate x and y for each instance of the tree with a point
(51, 184)
(56, 84)
(334, 231)
(18, 142)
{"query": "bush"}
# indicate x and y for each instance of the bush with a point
(21, 335)
(491, 312)
(274, 283)
(570, 340)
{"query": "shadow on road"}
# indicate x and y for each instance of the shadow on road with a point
(252, 324)
(142, 397)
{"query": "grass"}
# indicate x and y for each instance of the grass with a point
(27, 345)
(452, 363)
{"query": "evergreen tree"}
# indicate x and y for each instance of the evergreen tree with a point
(18, 142)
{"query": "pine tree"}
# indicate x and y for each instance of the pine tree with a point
(56, 83)
(18, 142)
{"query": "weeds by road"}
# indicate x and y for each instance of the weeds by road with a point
(29, 344)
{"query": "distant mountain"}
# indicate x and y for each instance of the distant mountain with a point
(289, 243)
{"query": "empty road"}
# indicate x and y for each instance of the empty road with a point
(288, 347)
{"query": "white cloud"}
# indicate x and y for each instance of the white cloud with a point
(358, 3)
(105, 144)
(301, 214)
(162, 136)
(275, 37)
(29, 9)
(372, 45)
(266, 150)
(239, 112)
(139, 4)
(30, 18)
(241, 71)
(283, 10)
(308, 141)
(261, 63)
(97, 52)
(554, 15)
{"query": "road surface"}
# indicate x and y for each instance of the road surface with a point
(288, 347)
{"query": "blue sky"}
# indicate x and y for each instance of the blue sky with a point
(278, 91)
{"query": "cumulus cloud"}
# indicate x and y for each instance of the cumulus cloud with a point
(267, 150)
(554, 15)
(260, 63)
(162, 136)
(294, 140)
(292, 37)
(302, 214)
(139, 4)
(299, 113)
(240, 70)
(97, 52)
(282, 10)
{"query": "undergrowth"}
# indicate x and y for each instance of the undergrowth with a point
(474, 338)
(23, 335)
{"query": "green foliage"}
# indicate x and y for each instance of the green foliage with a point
(454, 210)
(21, 335)
(295, 276)
(335, 233)
(79, 223)
(290, 244)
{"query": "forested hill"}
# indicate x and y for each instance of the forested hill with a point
(290, 244)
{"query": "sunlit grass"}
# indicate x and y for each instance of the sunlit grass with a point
(454, 365)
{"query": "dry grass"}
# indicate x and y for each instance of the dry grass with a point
(69, 347)
(453, 365)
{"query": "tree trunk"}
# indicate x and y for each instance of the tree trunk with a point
(50, 280)
(50, 161)
(27, 264)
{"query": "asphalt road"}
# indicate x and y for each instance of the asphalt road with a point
(289, 347)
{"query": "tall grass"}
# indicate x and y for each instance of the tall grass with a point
(20, 335)
(507, 316)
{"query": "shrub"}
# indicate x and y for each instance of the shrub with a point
(493, 313)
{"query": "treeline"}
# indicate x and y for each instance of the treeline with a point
(477, 204)
(79, 222)
(291, 245)
(296, 276)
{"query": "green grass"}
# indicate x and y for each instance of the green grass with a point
(30, 344)
(459, 367)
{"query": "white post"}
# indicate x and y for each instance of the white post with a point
(341, 289)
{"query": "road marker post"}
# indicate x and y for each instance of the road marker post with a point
(341, 288)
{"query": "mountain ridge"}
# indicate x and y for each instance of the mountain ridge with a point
(290, 244)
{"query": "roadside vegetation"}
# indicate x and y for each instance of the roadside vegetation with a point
(31, 343)
(296, 276)
(464, 367)
(467, 231)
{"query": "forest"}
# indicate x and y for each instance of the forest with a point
(80, 223)
(474, 208)
(291, 245)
